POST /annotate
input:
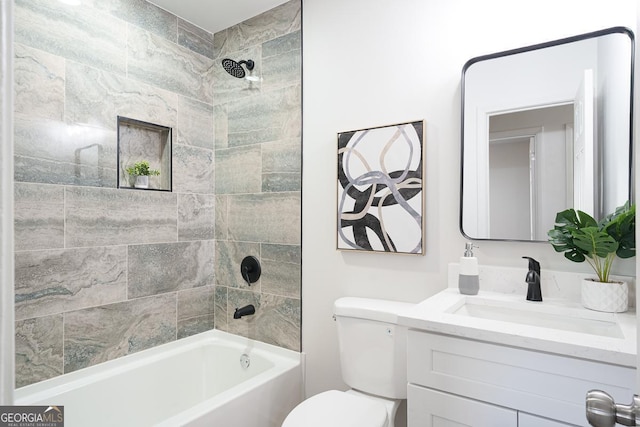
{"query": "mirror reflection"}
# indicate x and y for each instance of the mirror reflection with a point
(545, 128)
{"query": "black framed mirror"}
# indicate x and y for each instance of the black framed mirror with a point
(544, 128)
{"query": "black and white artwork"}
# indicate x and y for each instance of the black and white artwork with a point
(380, 189)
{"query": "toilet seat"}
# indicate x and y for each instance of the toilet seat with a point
(337, 409)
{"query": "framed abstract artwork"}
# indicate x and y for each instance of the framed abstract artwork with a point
(381, 189)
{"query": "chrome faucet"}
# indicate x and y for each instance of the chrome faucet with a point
(534, 293)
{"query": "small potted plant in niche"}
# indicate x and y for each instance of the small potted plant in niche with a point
(582, 238)
(141, 172)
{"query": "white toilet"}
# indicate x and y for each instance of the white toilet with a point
(374, 364)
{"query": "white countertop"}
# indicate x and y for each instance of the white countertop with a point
(436, 315)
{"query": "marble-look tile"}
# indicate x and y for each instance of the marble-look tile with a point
(116, 216)
(196, 216)
(98, 98)
(193, 170)
(281, 181)
(195, 325)
(281, 278)
(95, 335)
(276, 321)
(222, 218)
(221, 128)
(38, 216)
(272, 116)
(268, 217)
(196, 302)
(282, 157)
(281, 253)
(81, 34)
(56, 281)
(39, 80)
(282, 61)
(195, 123)
(55, 152)
(154, 60)
(220, 311)
(141, 13)
(229, 255)
(273, 23)
(38, 346)
(168, 267)
(238, 170)
(195, 311)
(195, 38)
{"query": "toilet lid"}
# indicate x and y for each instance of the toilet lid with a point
(337, 409)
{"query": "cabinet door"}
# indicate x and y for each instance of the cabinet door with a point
(431, 408)
(528, 420)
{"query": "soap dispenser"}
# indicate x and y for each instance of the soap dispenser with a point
(468, 279)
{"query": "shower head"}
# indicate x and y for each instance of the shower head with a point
(235, 68)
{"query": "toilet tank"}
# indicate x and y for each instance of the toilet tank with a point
(373, 347)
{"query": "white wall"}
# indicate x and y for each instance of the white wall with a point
(375, 62)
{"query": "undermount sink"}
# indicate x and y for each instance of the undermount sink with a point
(532, 314)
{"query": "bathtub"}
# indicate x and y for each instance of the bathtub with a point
(210, 379)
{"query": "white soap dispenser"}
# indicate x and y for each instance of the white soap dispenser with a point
(468, 279)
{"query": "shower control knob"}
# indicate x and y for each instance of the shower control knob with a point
(602, 411)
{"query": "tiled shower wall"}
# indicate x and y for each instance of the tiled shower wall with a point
(257, 176)
(103, 272)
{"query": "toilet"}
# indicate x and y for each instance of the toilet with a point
(373, 362)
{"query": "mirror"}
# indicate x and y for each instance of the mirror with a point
(545, 128)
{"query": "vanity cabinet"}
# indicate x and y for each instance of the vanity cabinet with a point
(457, 381)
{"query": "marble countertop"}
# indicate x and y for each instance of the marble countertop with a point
(436, 314)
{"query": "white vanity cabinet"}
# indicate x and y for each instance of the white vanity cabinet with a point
(456, 381)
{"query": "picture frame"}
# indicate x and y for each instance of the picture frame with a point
(380, 196)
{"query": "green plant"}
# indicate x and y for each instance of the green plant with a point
(581, 237)
(141, 169)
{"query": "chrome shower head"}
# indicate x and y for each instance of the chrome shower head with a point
(235, 68)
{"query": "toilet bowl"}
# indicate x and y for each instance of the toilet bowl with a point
(373, 361)
(343, 409)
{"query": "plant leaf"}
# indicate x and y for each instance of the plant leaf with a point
(594, 242)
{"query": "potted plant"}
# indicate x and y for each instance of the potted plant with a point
(582, 238)
(141, 172)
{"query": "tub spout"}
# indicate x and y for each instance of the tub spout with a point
(244, 311)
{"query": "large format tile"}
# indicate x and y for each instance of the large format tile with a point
(281, 270)
(196, 216)
(195, 123)
(56, 281)
(98, 98)
(141, 13)
(158, 62)
(81, 34)
(269, 218)
(195, 38)
(103, 333)
(220, 313)
(222, 218)
(282, 61)
(168, 267)
(38, 216)
(195, 311)
(39, 79)
(273, 23)
(272, 116)
(116, 216)
(193, 170)
(38, 349)
(55, 152)
(229, 256)
(238, 170)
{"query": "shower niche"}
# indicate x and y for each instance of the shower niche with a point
(144, 150)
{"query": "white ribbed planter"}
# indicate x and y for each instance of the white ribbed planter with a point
(609, 297)
(142, 181)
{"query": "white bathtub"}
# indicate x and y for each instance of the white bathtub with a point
(195, 381)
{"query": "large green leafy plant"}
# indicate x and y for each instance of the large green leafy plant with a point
(581, 237)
